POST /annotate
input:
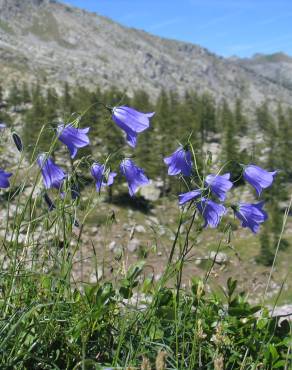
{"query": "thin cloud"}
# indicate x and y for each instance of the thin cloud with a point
(223, 4)
(274, 19)
(262, 47)
(130, 16)
(233, 49)
(218, 20)
(163, 24)
(238, 4)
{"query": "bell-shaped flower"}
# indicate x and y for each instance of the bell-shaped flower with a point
(211, 211)
(251, 215)
(17, 141)
(131, 121)
(187, 197)
(74, 138)
(101, 176)
(53, 175)
(4, 176)
(179, 162)
(74, 190)
(135, 175)
(258, 177)
(50, 203)
(3, 125)
(219, 184)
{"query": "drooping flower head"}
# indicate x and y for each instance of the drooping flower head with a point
(135, 175)
(3, 125)
(251, 215)
(17, 141)
(179, 162)
(53, 175)
(131, 121)
(74, 138)
(219, 184)
(187, 197)
(4, 176)
(50, 203)
(258, 177)
(101, 176)
(211, 211)
(74, 190)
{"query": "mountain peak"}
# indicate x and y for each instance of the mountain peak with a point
(57, 43)
(272, 58)
(21, 4)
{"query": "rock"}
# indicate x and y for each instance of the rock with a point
(140, 229)
(115, 248)
(99, 273)
(153, 220)
(94, 230)
(96, 276)
(133, 245)
(161, 231)
(284, 311)
(219, 257)
(157, 277)
(112, 245)
(126, 227)
(150, 192)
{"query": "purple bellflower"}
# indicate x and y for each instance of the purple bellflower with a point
(131, 121)
(179, 162)
(49, 202)
(75, 191)
(219, 184)
(211, 211)
(2, 125)
(53, 175)
(187, 197)
(74, 138)
(135, 175)
(4, 176)
(17, 141)
(251, 215)
(102, 178)
(258, 177)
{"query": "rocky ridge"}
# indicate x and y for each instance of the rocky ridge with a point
(275, 67)
(52, 42)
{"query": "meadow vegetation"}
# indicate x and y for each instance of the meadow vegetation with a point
(52, 318)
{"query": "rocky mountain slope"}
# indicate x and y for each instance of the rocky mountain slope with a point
(47, 40)
(276, 67)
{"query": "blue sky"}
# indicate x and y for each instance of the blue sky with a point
(226, 27)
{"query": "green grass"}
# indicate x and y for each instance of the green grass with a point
(58, 312)
(5, 27)
(46, 28)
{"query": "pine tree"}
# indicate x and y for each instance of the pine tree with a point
(207, 117)
(4, 117)
(25, 94)
(14, 97)
(284, 144)
(146, 141)
(66, 103)
(230, 145)
(241, 123)
(164, 137)
(265, 256)
(34, 119)
(1, 95)
(51, 107)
